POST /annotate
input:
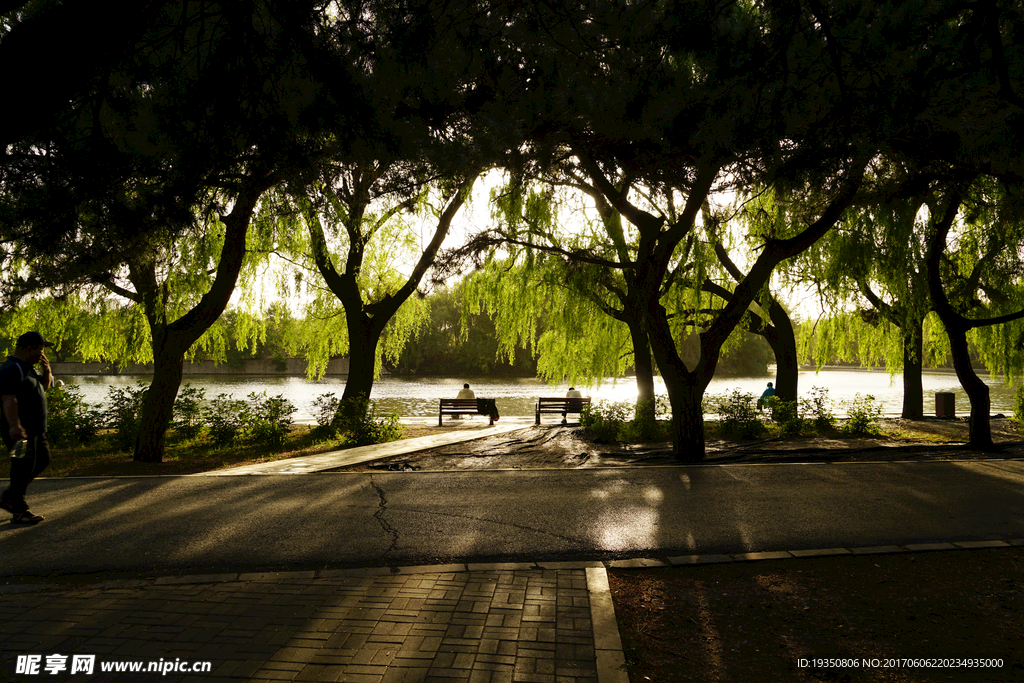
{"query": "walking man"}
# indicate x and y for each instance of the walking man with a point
(23, 417)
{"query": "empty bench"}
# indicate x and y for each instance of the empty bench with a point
(458, 406)
(560, 405)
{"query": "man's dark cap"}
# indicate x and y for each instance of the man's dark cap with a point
(30, 339)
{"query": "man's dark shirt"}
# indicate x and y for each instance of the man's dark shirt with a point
(19, 379)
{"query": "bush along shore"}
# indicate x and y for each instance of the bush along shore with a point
(738, 417)
(206, 433)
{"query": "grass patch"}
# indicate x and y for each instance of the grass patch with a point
(182, 456)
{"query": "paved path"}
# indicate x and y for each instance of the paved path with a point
(443, 624)
(469, 431)
(336, 520)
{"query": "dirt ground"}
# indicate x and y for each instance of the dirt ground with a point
(556, 446)
(906, 615)
(898, 617)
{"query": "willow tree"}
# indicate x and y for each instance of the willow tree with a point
(973, 265)
(874, 262)
(357, 232)
(683, 103)
(564, 265)
(168, 151)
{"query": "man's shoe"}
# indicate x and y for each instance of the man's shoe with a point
(26, 517)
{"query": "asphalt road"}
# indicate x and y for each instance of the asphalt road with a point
(361, 519)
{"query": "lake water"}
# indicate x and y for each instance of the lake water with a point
(417, 397)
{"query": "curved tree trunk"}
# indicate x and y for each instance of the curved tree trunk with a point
(685, 389)
(979, 424)
(158, 406)
(979, 427)
(787, 370)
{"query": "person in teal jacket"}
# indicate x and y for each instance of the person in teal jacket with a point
(767, 397)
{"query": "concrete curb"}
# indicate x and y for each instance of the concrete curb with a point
(611, 660)
(634, 563)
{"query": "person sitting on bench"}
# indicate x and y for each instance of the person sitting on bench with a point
(466, 392)
(572, 393)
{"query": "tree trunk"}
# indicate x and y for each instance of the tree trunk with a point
(158, 406)
(644, 366)
(688, 422)
(787, 370)
(913, 362)
(362, 344)
(685, 388)
(979, 425)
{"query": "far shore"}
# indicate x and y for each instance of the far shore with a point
(338, 367)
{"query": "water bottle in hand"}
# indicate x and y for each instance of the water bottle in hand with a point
(19, 449)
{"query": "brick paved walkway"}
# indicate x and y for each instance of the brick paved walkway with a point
(471, 626)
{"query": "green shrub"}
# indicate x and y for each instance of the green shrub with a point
(789, 416)
(357, 419)
(654, 427)
(606, 422)
(818, 405)
(69, 419)
(738, 416)
(225, 419)
(267, 419)
(325, 408)
(863, 416)
(611, 422)
(123, 413)
(188, 412)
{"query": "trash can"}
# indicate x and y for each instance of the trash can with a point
(945, 404)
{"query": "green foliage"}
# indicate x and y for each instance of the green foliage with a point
(188, 413)
(266, 419)
(738, 415)
(456, 343)
(123, 413)
(359, 424)
(325, 408)
(848, 339)
(70, 420)
(649, 426)
(1018, 405)
(225, 419)
(863, 416)
(745, 355)
(819, 406)
(789, 415)
(606, 422)
(615, 421)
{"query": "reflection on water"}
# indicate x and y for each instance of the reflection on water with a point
(418, 396)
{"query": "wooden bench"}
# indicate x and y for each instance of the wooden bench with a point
(560, 405)
(458, 406)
